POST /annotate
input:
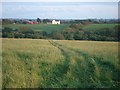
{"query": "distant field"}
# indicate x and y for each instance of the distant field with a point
(98, 26)
(29, 63)
(43, 27)
(50, 27)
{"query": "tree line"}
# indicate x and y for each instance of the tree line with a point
(74, 32)
(63, 21)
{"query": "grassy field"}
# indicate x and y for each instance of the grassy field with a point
(36, 63)
(50, 27)
(43, 27)
(98, 26)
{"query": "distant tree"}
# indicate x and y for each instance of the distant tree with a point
(39, 20)
(117, 31)
(7, 30)
(10, 35)
(18, 35)
(46, 20)
(30, 19)
(36, 36)
(7, 21)
(39, 35)
(69, 33)
(25, 30)
(28, 35)
(76, 26)
(57, 35)
(79, 35)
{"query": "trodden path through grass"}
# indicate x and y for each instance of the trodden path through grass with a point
(87, 71)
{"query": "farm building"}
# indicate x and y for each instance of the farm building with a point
(56, 22)
(31, 22)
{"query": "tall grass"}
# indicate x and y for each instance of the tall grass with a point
(24, 60)
(108, 50)
(101, 61)
(36, 63)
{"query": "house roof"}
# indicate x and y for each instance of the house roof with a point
(56, 20)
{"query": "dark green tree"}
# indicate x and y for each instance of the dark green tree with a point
(39, 20)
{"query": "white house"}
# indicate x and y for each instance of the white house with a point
(55, 21)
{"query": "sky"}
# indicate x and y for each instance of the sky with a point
(60, 10)
(60, 0)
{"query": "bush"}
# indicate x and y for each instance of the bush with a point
(25, 30)
(57, 35)
(74, 32)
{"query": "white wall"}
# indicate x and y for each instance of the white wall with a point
(55, 22)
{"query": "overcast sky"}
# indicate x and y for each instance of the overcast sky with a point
(61, 10)
(59, 0)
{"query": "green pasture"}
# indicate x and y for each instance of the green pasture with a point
(43, 27)
(98, 26)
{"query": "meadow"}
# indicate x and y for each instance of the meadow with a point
(50, 27)
(99, 26)
(29, 63)
(43, 27)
